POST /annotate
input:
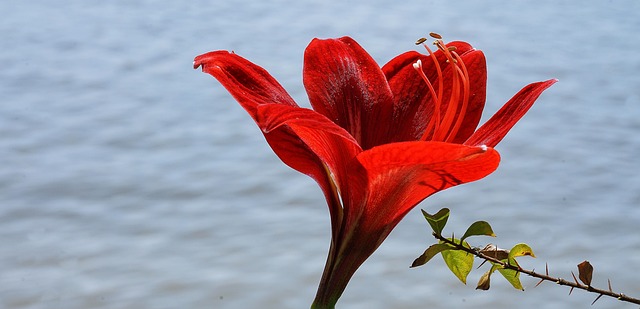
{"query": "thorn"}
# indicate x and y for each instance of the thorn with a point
(537, 284)
(571, 290)
(546, 266)
(574, 278)
(609, 281)
(484, 261)
(596, 299)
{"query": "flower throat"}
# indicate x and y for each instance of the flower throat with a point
(445, 127)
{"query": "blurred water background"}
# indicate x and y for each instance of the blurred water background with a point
(130, 180)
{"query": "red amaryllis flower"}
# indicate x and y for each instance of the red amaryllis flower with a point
(378, 140)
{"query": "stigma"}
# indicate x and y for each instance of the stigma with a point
(448, 112)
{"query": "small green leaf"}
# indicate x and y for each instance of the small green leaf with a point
(479, 228)
(437, 221)
(459, 262)
(430, 253)
(520, 250)
(512, 276)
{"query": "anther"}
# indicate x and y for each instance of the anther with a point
(435, 35)
(420, 41)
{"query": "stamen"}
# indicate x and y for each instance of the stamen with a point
(452, 107)
(434, 120)
(466, 92)
(445, 127)
(436, 99)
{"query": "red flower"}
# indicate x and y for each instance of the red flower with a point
(378, 140)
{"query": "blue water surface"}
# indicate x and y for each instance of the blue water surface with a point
(130, 180)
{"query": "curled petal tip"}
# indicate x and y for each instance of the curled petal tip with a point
(550, 81)
(209, 58)
(199, 61)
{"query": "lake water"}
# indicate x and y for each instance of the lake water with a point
(130, 180)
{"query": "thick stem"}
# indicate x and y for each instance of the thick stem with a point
(322, 300)
(332, 284)
(319, 304)
(341, 266)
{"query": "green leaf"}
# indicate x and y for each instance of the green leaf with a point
(430, 253)
(479, 228)
(437, 221)
(520, 250)
(512, 276)
(459, 262)
(516, 251)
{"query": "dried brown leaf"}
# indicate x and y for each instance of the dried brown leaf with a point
(585, 272)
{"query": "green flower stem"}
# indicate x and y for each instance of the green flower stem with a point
(319, 305)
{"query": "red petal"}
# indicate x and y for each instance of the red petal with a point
(412, 100)
(400, 175)
(495, 129)
(477, 67)
(345, 84)
(323, 138)
(311, 144)
(248, 83)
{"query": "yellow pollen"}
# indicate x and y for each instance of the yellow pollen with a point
(444, 127)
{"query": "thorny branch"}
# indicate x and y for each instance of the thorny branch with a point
(543, 277)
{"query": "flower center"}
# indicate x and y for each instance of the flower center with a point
(444, 124)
